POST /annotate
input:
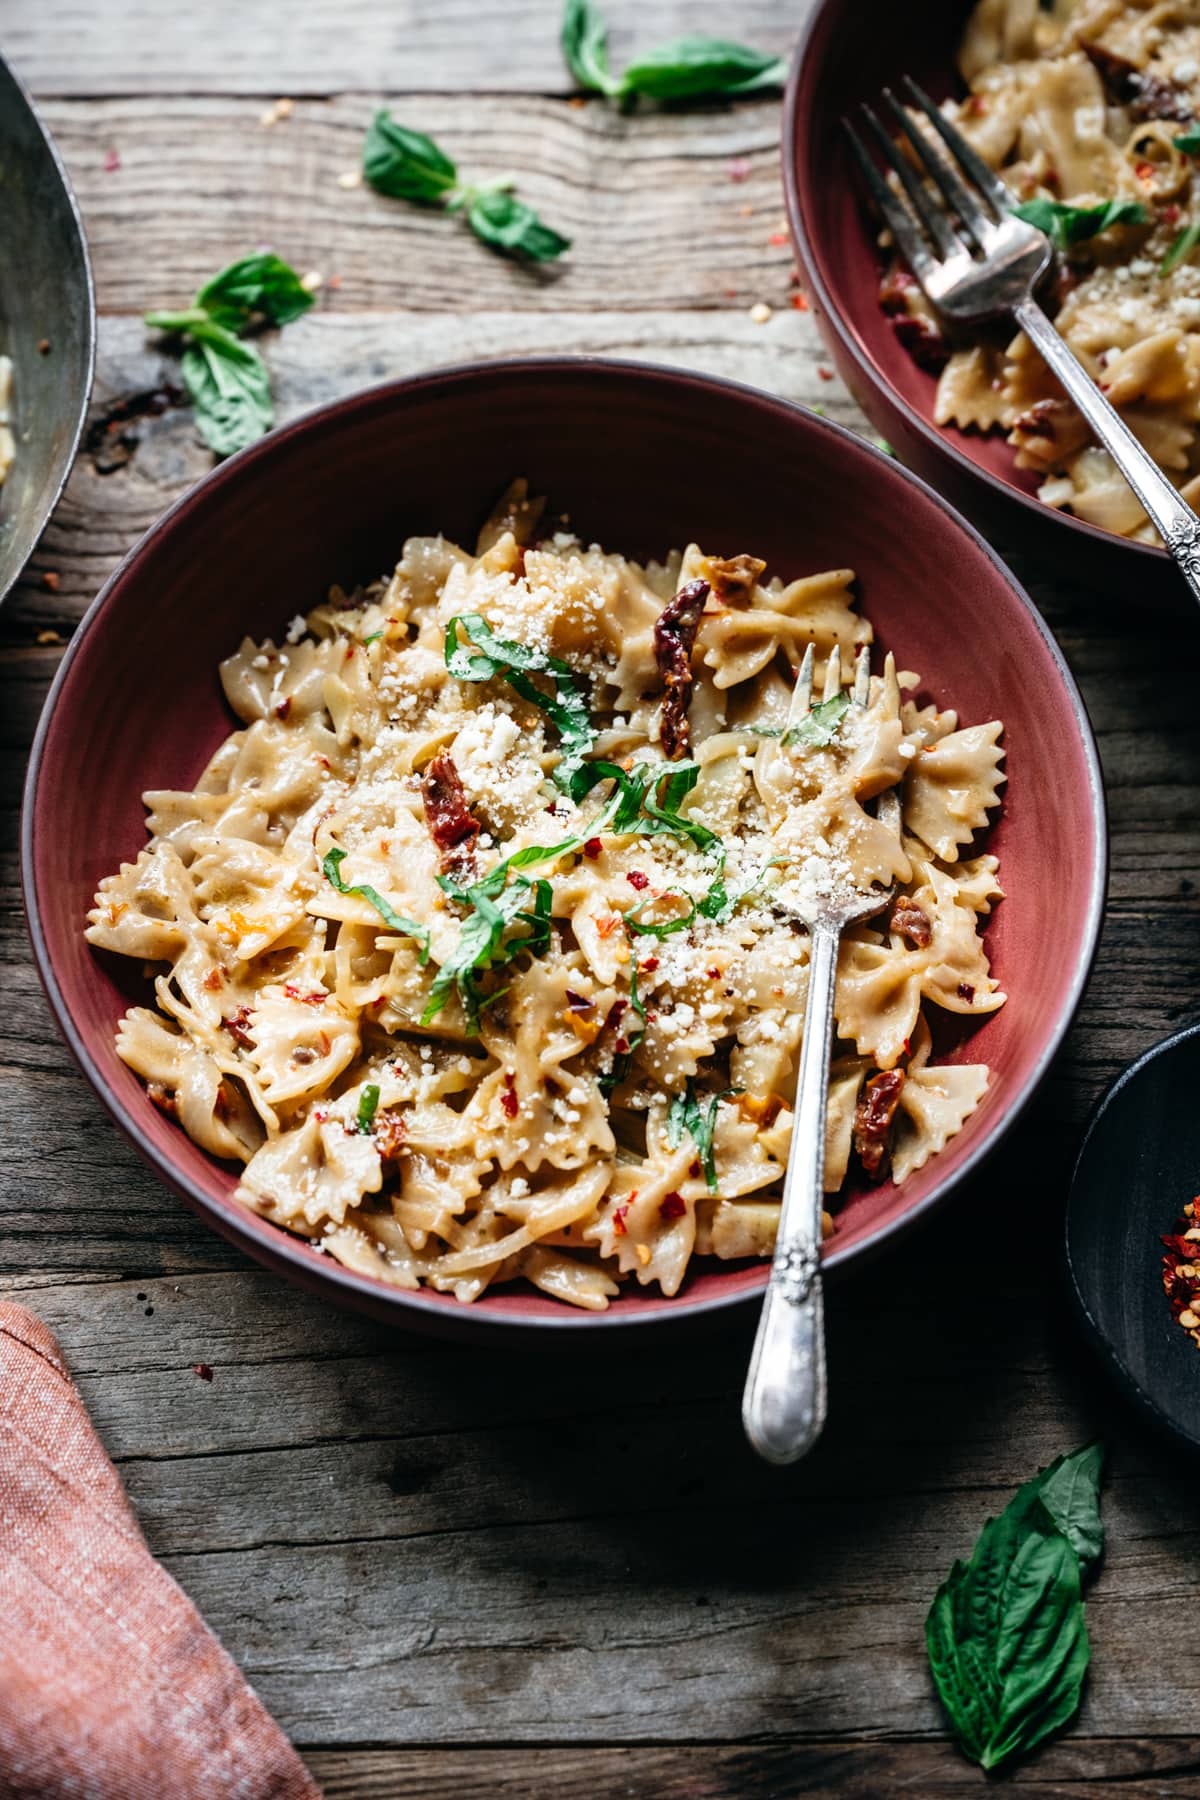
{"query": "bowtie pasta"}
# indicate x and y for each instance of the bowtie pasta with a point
(479, 945)
(1081, 104)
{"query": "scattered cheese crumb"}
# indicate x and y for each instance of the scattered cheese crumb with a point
(760, 312)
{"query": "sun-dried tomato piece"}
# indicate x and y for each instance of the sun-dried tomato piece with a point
(451, 823)
(912, 922)
(923, 340)
(1147, 96)
(873, 1117)
(163, 1097)
(1049, 430)
(734, 578)
(674, 638)
(389, 1131)
(236, 1023)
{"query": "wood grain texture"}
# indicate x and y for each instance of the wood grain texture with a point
(653, 208)
(503, 1575)
(462, 47)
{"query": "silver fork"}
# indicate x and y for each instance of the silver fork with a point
(976, 261)
(783, 1408)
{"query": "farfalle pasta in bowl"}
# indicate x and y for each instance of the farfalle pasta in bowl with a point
(1087, 109)
(481, 940)
(461, 960)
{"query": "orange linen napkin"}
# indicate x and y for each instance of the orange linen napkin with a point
(111, 1685)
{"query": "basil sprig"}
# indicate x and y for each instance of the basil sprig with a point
(226, 380)
(331, 868)
(368, 1105)
(686, 68)
(1181, 249)
(409, 166)
(1006, 1635)
(1066, 225)
(494, 657)
(646, 799)
(687, 1114)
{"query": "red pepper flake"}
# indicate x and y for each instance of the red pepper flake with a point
(508, 1098)
(324, 761)
(694, 1170)
(738, 169)
(203, 1370)
(977, 104)
(800, 302)
(335, 281)
(622, 1046)
(673, 1206)
(965, 992)
(649, 965)
(1181, 1272)
(607, 923)
(825, 374)
(614, 1013)
(637, 880)
(284, 707)
(1171, 214)
(112, 161)
(714, 974)
(51, 580)
(214, 979)
(313, 999)
(592, 848)
(1145, 171)
(620, 1214)
(778, 237)
(579, 1003)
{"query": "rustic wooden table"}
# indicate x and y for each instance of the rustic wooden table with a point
(497, 1575)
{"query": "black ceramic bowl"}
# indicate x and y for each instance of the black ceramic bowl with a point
(46, 299)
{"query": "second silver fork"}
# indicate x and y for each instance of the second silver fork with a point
(975, 260)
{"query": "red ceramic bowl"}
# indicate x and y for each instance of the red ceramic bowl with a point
(851, 50)
(642, 459)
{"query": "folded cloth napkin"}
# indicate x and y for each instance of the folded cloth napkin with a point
(111, 1685)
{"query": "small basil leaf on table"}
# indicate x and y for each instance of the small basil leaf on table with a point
(406, 164)
(229, 388)
(701, 68)
(261, 286)
(585, 47)
(1006, 1634)
(513, 228)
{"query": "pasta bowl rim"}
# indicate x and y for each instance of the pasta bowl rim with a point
(422, 1308)
(937, 446)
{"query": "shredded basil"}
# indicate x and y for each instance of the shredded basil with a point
(819, 727)
(686, 1114)
(407, 165)
(1066, 225)
(1188, 142)
(646, 799)
(494, 657)
(494, 906)
(226, 380)
(1006, 1635)
(331, 868)
(367, 1104)
(686, 68)
(1181, 249)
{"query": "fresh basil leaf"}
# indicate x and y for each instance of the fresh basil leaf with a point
(1070, 1491)
(585, 47)
(819, 727)
(406, 164)
(641, 928)
(1006, 1633)
(686, 1114)
(508, 225)
(623, 1058)
(229, 388)
(482, 944)
(1181, 249)
(720, 905)
(261, 286)
(331, 868)
(368, 1103)
(1188, 142)
(700, 68)
(1066, 225)
(500, 657)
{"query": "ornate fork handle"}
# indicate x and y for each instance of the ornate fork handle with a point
(1164, 504)
(783, 1409)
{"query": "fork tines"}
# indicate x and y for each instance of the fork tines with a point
(978, 212)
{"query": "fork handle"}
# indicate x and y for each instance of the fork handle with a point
(783, 1409)
(1164, 504)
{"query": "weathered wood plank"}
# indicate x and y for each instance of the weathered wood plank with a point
(1077, 1769)
(442, 46)
(655, 216)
